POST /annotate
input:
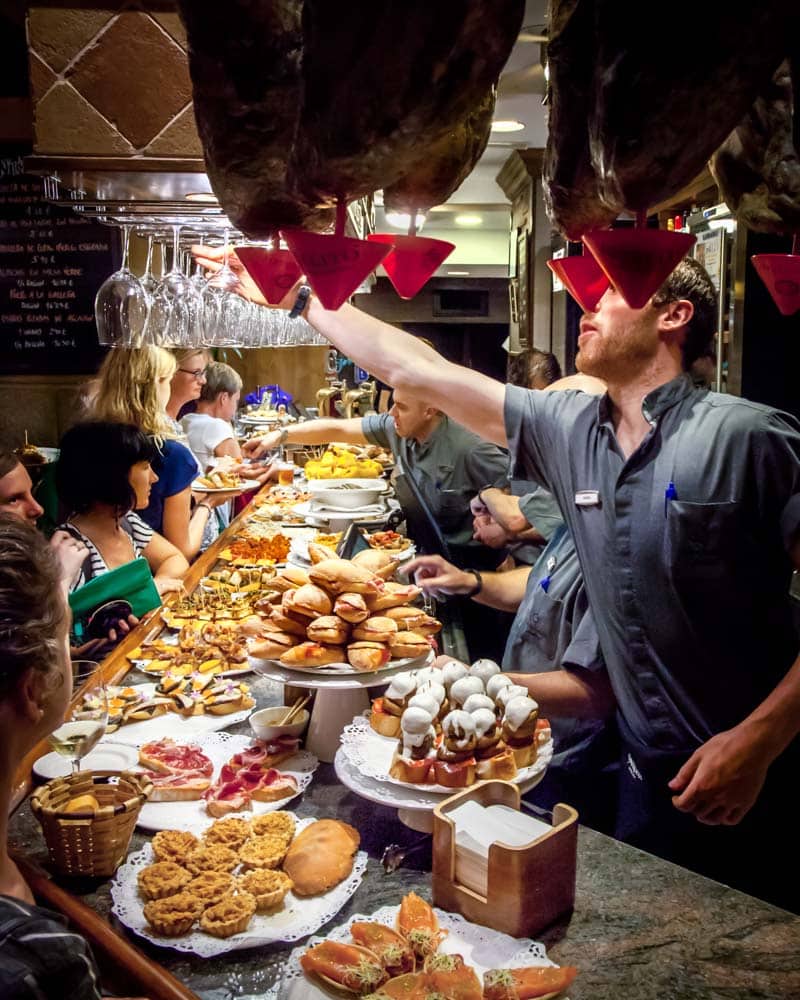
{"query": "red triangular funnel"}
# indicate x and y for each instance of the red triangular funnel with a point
(335, 265)
(637, 261)
(274, 271)
(780, 272)
(584, 279)
(412, 260)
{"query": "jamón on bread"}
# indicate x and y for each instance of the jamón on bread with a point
(321, 856)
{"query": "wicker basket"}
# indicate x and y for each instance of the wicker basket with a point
(95, 842)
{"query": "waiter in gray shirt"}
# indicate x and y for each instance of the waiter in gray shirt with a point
(448, 463)
(684, 506)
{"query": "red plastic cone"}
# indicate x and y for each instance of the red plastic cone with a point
(637, 261)
(780, 272)
(412, 260)
(584, 279)
(335, 265)
(274, 271)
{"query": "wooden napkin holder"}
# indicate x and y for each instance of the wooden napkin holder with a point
(528, 887)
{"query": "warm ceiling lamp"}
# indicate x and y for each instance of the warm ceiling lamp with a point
(402, 220)
(468, 220)
(507, 125)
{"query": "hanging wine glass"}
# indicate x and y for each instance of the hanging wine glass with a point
(228, 308)
(177, 307)
(121, 306)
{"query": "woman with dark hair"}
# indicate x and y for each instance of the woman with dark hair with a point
(39, 957)
(103, 476)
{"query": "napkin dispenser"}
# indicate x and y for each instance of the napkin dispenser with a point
(500, 867)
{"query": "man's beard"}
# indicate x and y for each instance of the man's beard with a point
(619, 356)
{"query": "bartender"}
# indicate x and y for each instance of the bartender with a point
(448, 463)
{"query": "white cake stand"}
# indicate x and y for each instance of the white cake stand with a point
(339, 697)
(414, 805)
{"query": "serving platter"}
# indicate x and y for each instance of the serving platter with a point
(219, 748)
(245, 485)
(372, 755)
(319, 518)
(298, 918)
(172, 724)
(480, 947)
(105, 757)
(344, 669)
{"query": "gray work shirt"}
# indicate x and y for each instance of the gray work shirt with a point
(554, 629)
(540, 509)
(449, 468)
(683, 546)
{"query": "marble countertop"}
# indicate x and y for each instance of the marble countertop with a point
(642, 929)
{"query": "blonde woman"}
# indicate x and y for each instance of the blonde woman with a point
(188, 381)
(134, 389)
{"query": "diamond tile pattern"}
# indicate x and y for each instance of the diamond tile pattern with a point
(136, 76)
(41, 77)
(58, 35)
(172, 24)
(67, 124)
(180, 139)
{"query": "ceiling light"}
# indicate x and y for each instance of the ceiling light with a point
(458, 274)
(206, 196)
(402, 220)
(468, 220)
(507, 125)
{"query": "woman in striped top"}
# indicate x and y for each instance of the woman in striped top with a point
(103, 476)
(39, 957)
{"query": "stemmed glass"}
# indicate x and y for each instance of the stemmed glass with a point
(177, 306)
(80, 733)
(121, 306)
(227, 311)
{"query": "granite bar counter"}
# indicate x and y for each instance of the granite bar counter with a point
(642, 929)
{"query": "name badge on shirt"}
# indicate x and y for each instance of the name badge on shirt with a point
(587, 498)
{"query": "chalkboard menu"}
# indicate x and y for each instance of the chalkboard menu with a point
(51, 264)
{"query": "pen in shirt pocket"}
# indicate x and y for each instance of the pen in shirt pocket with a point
(670, 493)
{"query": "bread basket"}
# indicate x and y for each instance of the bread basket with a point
(93, 842)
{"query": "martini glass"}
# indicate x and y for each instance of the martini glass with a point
(121, 306)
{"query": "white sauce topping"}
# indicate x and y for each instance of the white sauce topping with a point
(416, 725)
(464, 723)
(400, 686)
(428, 674)
(518, 711)
(484, 720)
(426, 702)
(494, 684)
(477, 702)
(453, 671)
(505, 694)
(462, 689)
(484, 669)
(433, 689)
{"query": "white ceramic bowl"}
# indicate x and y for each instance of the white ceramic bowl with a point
(346, 493)
(264, 722)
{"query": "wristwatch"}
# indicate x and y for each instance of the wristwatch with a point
(478, 583)
(303, 295)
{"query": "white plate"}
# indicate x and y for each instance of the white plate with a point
(244, 486)
(344, 669)
(316, 517)
(298, 918)
(174, 725)
(105, 757)
(372, 755)
(314, 678)
(480, 947)
(244, 669)
(220, 747)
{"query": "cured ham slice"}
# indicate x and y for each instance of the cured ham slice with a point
(265, 755)
(236, 787)
(167, 756)
(184, 787)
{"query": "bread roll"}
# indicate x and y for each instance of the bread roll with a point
(367, 655)
(319, 553)
(392, 596)
(351, 607)
(271, 645)
(408, 644)
(375, 629)
(329, 628)
(337, 576)
(312, 654)
(288, 578)
(309, 600)
(377, 562)
(321, 856)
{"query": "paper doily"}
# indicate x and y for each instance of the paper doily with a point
(372, 755)
(219, 748)
(480, 947)
(298, 918)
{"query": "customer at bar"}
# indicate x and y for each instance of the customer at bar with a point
(208, 429)
(39, 958)
(135, 386)
(684, 506)
(103, 497)
(191, 364)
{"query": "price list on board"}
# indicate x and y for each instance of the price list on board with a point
(52, 262)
